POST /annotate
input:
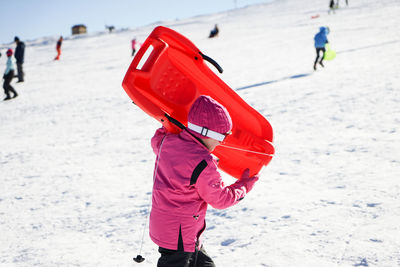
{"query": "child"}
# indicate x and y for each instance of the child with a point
(320, 39)
(8, 76)
(186, 180)
(58, 48)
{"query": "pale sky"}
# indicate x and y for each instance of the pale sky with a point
(31, 19)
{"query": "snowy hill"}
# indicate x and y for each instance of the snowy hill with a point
(76, 164)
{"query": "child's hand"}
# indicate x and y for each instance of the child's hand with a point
(248, 181)
(161, 130)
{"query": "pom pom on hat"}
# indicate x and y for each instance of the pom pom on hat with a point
(207, 112)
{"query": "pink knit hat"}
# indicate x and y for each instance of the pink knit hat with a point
(209, 114)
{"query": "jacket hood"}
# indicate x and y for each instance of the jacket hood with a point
(324, 30)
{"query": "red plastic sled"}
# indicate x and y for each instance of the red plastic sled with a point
(169, 73)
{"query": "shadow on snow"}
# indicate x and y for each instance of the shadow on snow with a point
(274, 81)
(368, 47)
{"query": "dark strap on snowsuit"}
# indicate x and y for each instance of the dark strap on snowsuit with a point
(196, 173)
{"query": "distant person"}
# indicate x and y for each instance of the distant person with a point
(58, 48)
(331, 7)
(19, 56)
(133, 43)
(8, 76)
(347, 2)
(214, 32)
(110, 28)
(320, 39)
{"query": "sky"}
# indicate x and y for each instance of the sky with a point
(29, 19)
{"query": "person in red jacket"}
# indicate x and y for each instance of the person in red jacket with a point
(58, 48)
(186, 180)
(134, 44)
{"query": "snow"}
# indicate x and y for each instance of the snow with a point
(76, 164)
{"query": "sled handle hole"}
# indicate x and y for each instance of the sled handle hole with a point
(145, 57)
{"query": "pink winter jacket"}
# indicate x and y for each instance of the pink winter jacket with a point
(186, 180)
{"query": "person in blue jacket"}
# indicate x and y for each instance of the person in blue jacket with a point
(320, 39)
(8, 76)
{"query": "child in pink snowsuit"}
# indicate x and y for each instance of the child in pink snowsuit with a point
(186, 180)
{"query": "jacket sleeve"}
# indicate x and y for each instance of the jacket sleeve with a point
(211, 189)
(9, 66)
(156, 139)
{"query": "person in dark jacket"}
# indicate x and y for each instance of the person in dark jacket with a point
(214, 32)
(331, 7)
(320, 39)
(19, 57)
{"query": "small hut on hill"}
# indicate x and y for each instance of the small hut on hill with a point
(78, 29)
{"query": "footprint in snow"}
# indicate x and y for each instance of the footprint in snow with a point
(362, 263)
(227, 242)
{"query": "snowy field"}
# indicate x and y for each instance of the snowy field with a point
(76, 164)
